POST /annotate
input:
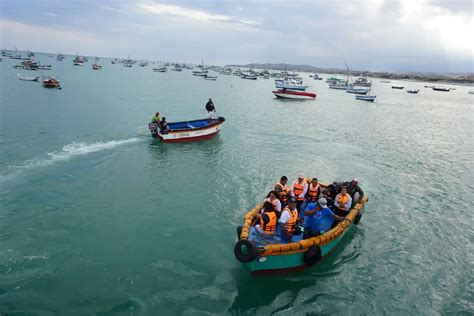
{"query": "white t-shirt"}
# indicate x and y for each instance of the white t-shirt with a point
(276, 203)
(285, 216)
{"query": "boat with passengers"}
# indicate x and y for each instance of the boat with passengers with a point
(260, 253)
(187, 131)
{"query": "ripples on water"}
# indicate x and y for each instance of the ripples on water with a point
(97, 218)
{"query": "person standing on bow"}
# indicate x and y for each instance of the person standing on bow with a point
(210, 108)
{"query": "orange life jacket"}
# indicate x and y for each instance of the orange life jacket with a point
(313, 191)
(291, 223)
(283, 193)
(342, 201)
(270, 227)
(298, 189)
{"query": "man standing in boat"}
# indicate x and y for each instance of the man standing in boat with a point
(210, 108)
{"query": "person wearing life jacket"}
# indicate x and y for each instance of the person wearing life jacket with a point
(282, 190)
(319, 218)
(314, 192)
(272, 198)
(268, 219)
(342, 202)
(289, 220)
(156, 118)
(355, 191)
(298, 190)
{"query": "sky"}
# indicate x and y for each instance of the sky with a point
(375, 35)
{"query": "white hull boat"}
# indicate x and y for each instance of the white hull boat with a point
(26, 78)
(289, 94)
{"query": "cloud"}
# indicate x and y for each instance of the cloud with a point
(198, 15)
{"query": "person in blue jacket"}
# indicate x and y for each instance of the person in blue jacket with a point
(319, 218)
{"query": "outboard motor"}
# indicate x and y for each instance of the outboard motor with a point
(153, 127)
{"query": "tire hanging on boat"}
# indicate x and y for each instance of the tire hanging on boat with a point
(312, 256)
(244, 251)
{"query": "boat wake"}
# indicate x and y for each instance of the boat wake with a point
(66, 153)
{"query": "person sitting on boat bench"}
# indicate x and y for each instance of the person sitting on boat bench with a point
(210, 108)
(289, 220)
(355, 191)
(156, 118)
(268, 219)
(164, 126)
(319, 218)
(281, 190)
(342, 202)
(272, 198)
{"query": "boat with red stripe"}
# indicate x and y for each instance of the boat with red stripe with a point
(290, 94)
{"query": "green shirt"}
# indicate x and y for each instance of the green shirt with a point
(155, 119)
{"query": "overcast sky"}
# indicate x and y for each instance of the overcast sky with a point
(378, 35)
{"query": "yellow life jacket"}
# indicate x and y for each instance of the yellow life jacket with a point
(270, 227)
(342, 200)
(291, 223)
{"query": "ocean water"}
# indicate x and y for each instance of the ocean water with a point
(96, 217)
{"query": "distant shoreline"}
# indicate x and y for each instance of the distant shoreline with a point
(467, 78)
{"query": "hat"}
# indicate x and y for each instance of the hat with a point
(323, 202)
(291, 200)
(300, 176)
(315, 180)
(355, 180)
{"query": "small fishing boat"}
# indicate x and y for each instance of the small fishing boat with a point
(51, 83)
(290, 84)
(398, 87)
(44, 67)
(160, 69)
(370, 98)
(442, 89)
(249, 76)
(338, 85)
(144, 64)
(414, 91)
(363, 82)
(471, 91)
(385, 81)
(176, 68)
(291, 94)
(353, 89)
(212, 78)
(280, 257)
(96, 67)
(27, 78)
(187, 131)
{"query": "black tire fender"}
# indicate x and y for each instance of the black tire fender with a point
(245, 251)
(312, 256)
(357, 218)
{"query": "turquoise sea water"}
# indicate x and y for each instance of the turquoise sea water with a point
(98, 218)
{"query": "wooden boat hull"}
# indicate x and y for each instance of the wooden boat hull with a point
(183, 135)
(287, 94)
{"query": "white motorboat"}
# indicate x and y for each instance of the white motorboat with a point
(160, 69)
(353, 89)
(27, 78)
(207, 77)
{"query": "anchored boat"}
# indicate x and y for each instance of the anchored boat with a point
(289, 94)
(296, 255)
(414, 91)
(51, 83)
(187, 131)
(27, 78)
(370, 98)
